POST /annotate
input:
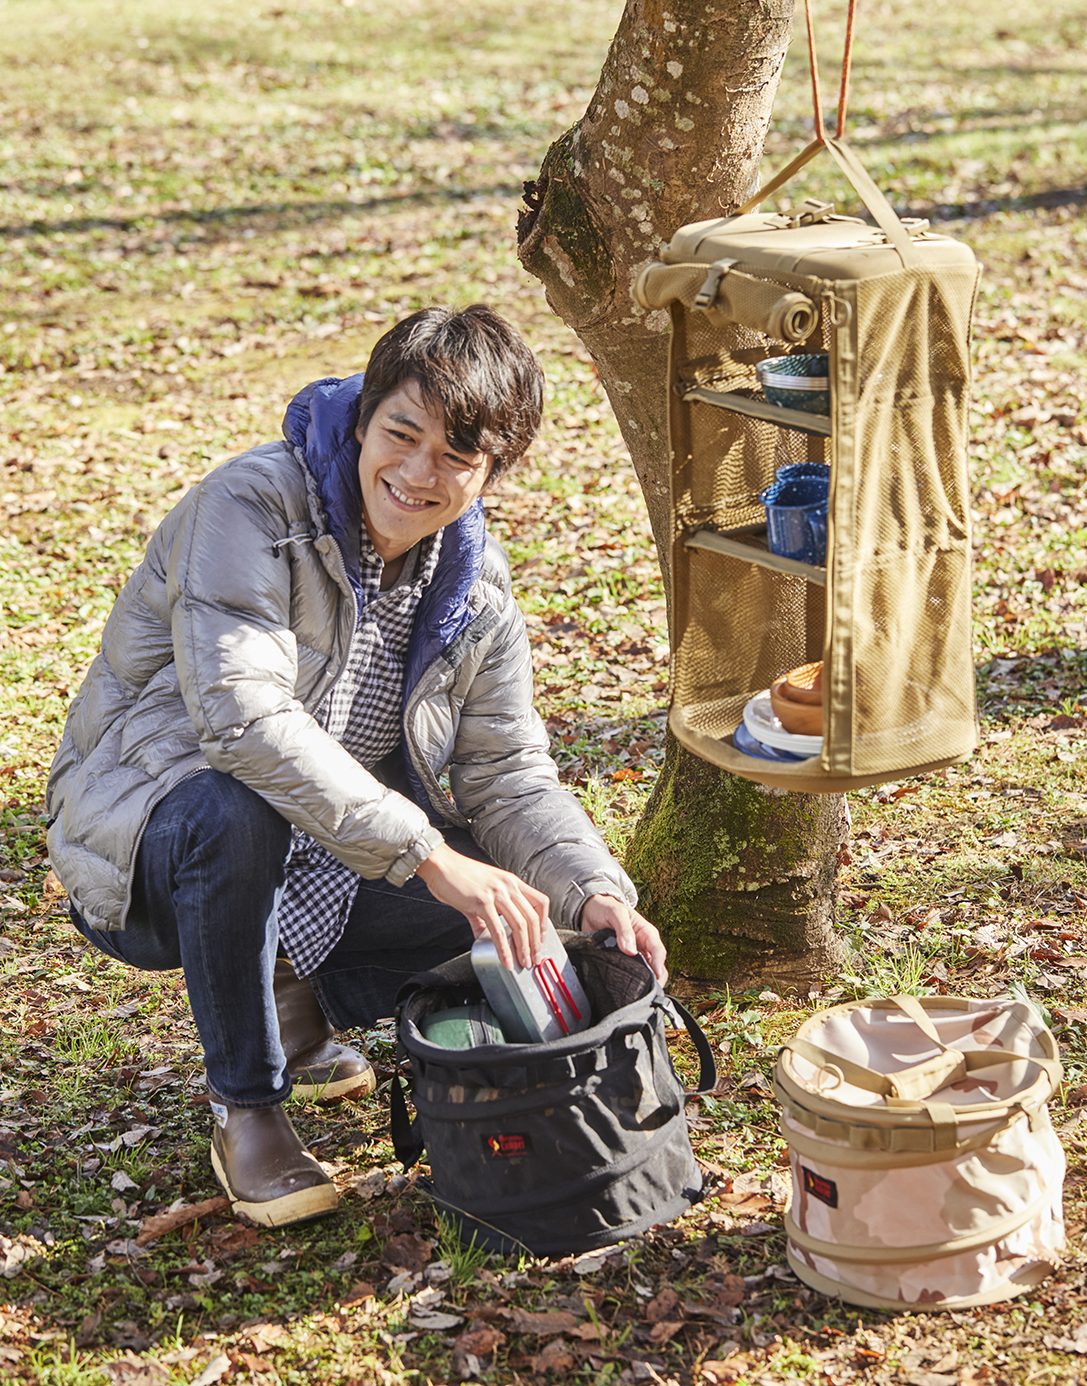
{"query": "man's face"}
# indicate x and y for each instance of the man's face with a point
(413, 480)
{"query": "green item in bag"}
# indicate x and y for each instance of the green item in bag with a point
(463, 1027)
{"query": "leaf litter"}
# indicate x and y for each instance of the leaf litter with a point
(156, 329)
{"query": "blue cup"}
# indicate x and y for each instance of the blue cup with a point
(792, 471)
(796, 518)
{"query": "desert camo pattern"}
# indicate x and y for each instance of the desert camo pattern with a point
(1002, 1200)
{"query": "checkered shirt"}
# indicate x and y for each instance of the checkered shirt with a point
(362, 712)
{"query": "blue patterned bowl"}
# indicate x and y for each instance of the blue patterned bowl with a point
(796, 382)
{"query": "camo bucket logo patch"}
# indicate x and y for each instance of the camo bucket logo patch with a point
(825, 1190)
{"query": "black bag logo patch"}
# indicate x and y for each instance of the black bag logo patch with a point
(506, 1147)
(825, 1190)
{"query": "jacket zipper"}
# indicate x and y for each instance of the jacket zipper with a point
(340, 579)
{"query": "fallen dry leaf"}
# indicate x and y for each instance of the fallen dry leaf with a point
(556, 1357)
(216, 1369)
(160, 1223)
(723, 1294)
(254, 1363)
(360, 1291)
(661, 1306)
(232, 1238)
(407, 1252)
(267, 1335)
(481, 1341)
(131, 1370)
(434, 1320)
(739, 1203)
(665, 1330)
(722, 1372)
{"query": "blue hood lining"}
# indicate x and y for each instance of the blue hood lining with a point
(320, 421)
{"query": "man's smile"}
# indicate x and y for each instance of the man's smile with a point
(404, 499)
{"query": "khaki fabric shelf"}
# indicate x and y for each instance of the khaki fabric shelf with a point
(801, 776)
(750, 545)
(892, 306)
(759, 409)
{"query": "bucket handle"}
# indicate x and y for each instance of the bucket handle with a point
(707, 1065)
(920, 1081)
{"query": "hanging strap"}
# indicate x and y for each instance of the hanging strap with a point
(874, 201)
(813, 65)
(843, 86)
(884, 215)
(407, 1138)
(847, 58)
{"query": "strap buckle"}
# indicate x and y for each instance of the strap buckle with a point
(811, 212)
(707, 294)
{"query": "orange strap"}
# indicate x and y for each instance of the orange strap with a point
(847, 59)
(820, 133)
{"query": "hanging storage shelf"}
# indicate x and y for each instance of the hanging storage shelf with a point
(889, 614)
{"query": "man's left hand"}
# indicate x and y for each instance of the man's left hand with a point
(633, 933)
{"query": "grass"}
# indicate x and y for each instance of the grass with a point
(202, 211)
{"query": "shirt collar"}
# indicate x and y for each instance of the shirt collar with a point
(419, 566)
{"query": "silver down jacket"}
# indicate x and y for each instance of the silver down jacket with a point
(219, 648)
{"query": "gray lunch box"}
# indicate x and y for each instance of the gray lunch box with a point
(533, 1004)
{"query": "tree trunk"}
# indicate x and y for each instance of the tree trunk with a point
(739, 878)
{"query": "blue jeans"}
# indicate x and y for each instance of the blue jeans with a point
(209, 873)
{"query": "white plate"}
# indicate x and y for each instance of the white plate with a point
(764, 726)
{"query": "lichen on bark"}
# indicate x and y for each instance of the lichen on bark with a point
(557, 233)
(740, 879)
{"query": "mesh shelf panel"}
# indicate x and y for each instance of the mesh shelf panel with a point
(893, 625)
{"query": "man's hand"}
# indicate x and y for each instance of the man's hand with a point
(490, 899)
(633, 933)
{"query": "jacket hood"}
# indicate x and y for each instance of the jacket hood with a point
(320, 423)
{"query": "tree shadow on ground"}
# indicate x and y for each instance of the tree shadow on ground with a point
(1031, 684)
(262, 216)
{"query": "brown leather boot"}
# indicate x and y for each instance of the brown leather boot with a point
(319, 1067)
(264, 1167)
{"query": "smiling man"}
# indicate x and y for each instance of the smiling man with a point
(250, 782)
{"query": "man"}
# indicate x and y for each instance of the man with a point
(249, 785)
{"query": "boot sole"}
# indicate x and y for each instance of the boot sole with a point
(314, 1202)
(360, 1084)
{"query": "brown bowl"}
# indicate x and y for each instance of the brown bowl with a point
(804, 684)
(806, 719)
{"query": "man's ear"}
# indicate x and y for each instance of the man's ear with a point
(492, 477)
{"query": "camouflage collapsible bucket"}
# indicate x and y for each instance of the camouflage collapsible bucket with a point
(926, 1172)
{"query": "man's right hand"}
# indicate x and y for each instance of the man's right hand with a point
(496, 903)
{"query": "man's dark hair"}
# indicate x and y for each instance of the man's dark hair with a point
(470, 364)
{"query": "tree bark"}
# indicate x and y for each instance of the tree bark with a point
(740, 878)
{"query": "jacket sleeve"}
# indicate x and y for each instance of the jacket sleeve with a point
(230, 596)
(506, 784)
